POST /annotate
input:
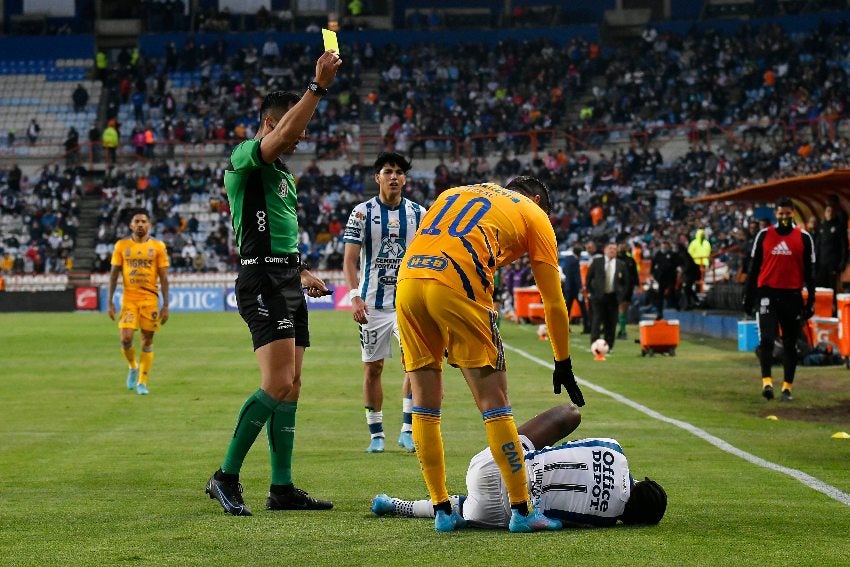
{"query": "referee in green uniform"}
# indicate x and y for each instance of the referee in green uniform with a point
(261, 191)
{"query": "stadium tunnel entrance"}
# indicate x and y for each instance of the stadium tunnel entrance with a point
(810, 193)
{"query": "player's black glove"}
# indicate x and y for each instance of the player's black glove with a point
(563, 376)
(808, 311)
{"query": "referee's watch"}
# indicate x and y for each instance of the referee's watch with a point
(317, 89)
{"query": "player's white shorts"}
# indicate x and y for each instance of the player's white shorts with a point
(487, 502)
(378, 334)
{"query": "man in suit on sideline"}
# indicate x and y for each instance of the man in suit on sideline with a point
(607, 284)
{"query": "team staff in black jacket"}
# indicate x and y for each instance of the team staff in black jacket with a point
(782, 261)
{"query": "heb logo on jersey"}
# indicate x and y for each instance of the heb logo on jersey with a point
(428, 262)
(781, 249)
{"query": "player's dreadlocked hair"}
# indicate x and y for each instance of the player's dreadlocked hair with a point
(531, 186)
(280, 101)
(647, 503)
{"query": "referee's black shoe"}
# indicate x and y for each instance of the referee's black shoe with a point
(767, 392)
(228, 492)
(291, 498)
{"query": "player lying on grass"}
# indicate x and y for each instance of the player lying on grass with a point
(581, 483)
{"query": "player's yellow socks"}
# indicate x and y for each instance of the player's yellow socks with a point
(787, 386)
(507, 452)
(765, 382)
(429, 450)
(145, 363)
(130, 355)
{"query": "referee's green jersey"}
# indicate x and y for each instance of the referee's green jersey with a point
(263, 203)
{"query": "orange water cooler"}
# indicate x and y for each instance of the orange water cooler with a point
(843, 300)
(660, 336)
(536, 313)
(523, 298)
(823, 301)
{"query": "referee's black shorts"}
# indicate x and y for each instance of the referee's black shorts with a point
(272, 304)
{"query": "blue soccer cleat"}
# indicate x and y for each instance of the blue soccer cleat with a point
(534, 522)
(376, 446)
(382, 504)
(132, 378)
(142, 389)
(448, 522)
(405, 439)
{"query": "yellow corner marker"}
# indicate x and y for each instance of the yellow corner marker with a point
(841, 435)
(331, 43)
(772, 418)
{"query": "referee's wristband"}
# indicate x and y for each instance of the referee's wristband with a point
(353, 293)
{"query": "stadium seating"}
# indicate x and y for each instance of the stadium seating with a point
(42, 89)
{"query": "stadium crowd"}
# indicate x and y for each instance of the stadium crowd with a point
(40, 220)
(755, 85)
(427, 100)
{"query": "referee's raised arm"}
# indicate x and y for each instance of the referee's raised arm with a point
(292, 126)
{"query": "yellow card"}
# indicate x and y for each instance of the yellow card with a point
(330, 41)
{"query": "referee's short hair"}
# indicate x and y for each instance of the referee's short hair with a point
(279, 101)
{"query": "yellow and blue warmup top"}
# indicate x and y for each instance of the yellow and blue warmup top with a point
(140, 262)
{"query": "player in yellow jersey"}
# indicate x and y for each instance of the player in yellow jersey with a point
(444, 303)
(140, 260)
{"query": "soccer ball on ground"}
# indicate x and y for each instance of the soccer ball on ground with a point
(599, 347)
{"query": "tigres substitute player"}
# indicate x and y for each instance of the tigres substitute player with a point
(140, 260)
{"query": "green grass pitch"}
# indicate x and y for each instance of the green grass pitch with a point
(91, 474)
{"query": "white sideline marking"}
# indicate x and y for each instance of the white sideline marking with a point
(806, 479)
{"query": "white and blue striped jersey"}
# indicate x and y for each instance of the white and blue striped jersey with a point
(584, 482)
(383, 234)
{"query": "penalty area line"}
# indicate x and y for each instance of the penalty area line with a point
(800, 476)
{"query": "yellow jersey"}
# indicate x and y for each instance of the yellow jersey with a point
(472, 231)
(140, 263)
